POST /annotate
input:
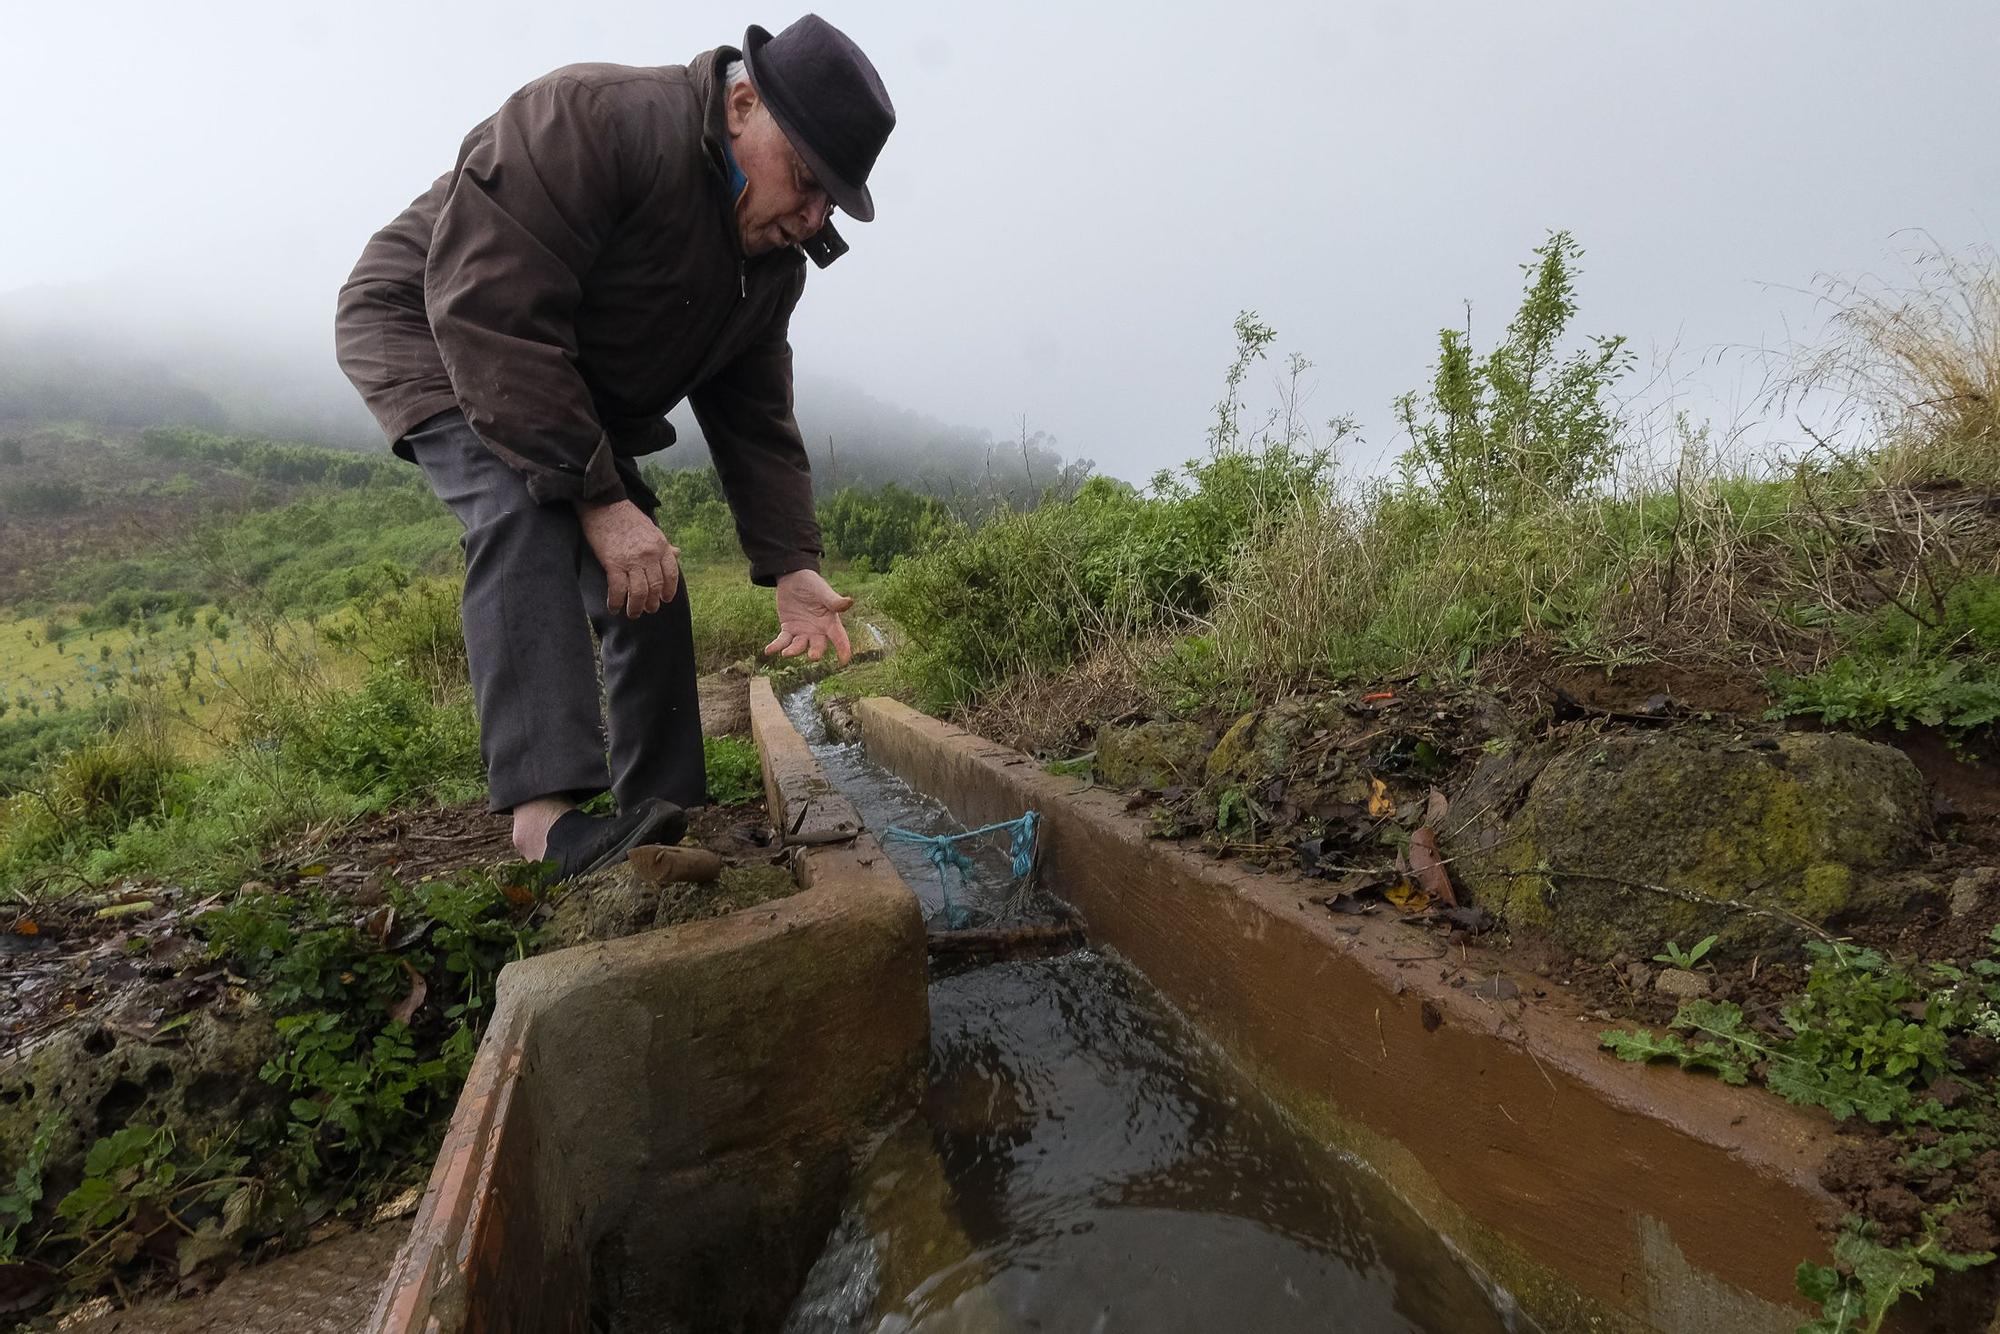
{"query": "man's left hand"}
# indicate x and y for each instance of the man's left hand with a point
(809, 618)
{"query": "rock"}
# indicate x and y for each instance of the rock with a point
(95, 1077)
(1638, 976)
(1681, 984)
(1821, 825)
(1258, 746)
(1973, 890)
(1153, 755)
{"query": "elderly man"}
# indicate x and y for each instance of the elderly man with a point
(612, 241)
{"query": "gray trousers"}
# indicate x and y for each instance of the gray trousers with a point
(533, 594)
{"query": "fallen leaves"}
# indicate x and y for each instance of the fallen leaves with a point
(405, 1009)
(1427, 866)
(1379, 804)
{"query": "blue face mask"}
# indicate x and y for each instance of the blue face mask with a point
(737, 180)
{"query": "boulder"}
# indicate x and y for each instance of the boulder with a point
(1627, 840)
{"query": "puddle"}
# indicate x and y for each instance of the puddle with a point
(1085, 1163)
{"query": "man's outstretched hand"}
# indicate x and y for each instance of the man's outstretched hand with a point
(642, 570)
(809, 618)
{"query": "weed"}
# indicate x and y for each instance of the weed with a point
(136, 1185)
(1872, 1039)
(1681, 958)
(18, 1201)
(735, 774)
(367, 1074)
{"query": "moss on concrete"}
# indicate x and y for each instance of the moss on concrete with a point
(614, 903)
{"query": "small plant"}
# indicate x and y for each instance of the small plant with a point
(18, 1200)
(137, 1186)
(1867, 1278)
(735, 774)
(1872, 1039)
(1681, 958)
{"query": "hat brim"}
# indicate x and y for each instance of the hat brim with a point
(852, 199)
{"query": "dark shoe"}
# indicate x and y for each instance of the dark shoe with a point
(580, 844)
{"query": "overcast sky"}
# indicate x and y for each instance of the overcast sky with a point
(1078, 196)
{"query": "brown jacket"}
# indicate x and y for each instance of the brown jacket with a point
(572, 278)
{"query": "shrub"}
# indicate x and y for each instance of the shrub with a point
(1525, 428)
(693, 512)
(880, 525)
(1033, 591)
(52, 496)
(387, 742)
(416, 626)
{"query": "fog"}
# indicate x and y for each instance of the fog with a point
(1077, 199)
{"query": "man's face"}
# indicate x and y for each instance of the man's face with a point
(782, 204)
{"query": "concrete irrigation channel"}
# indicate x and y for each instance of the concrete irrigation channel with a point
(1223, 1109)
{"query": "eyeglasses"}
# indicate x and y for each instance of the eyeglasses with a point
(808, 188)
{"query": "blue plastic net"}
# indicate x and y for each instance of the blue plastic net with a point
(941, 850)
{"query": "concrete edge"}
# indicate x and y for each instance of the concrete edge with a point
(534, 1151)
(1602, 1194)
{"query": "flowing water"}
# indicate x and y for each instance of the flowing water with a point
(1085, 1163)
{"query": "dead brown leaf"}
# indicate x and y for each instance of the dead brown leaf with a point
(403, 1010)
(1428, 867)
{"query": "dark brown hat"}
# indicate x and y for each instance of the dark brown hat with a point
(829, 101)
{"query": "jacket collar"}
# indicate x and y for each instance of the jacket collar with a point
(706, 72)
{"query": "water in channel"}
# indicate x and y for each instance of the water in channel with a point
(1085, 1164)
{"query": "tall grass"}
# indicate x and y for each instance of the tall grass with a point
(1526, 519)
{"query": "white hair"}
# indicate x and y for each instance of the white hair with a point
(735, 73)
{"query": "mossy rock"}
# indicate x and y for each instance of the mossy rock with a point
(1820, 826)
(96, 1078)
(1153, 755)
(1259, 746)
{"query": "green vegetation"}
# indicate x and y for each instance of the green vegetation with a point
(1521, 519)
(1528, 527)
(1934, 660)
(735, 773)
(377, 1013)
(1688, 958)
(1882, 1041)
(874, 529)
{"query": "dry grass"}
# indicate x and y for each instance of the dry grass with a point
(1054, 714)
(1920, 360)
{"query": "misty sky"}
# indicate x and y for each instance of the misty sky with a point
(1078, 196)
